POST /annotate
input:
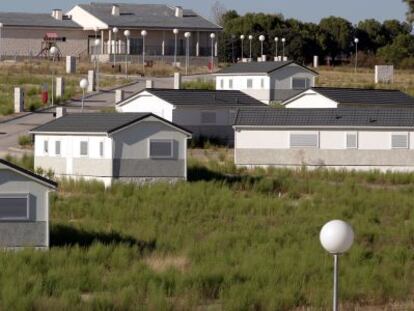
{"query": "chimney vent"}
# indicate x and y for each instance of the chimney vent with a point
(179, 12)
(57, 14)
(115, 10)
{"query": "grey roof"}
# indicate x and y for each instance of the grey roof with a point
(341, 117)
(148, 16)
(259, 67)
(205, 97)
(41, 179)
(104, 123)
(35, 20)
(365, 96)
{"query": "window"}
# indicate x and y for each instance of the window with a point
(300, 83)
(351, 141)
(57, 148)
(399, 141)
(304, 140)
(230, 83)
(101, 149)
(249, 83)
(46, 147)
(262, 83)
(14, 207)
(222, 83)
(161, 149)
(208, 117)
(84, 148)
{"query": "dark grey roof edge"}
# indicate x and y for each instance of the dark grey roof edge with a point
(64, 22)
(286, 63)
(42, 179)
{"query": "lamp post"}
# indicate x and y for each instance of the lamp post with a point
(175, 32)
(83, 85)
(212, 37)
(1, 41)
(277, 51)
(115, 31)
(97, 44)
(283, 43)
(232, 47)
(356, 40)
(242, 37)
(127, 34)
(187, 35)
(53, 51)
(336, 237)
(250, 39)
(262, 38)
(144, 34)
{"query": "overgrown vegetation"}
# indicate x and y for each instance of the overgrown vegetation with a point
(199, 84)
(25, 141)
(229, 239)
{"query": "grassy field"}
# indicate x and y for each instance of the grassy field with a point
(226, 240)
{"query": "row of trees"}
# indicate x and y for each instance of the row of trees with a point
(333, 38)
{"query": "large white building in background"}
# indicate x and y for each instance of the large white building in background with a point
(74, 32)
(348, 138)
(267, 81)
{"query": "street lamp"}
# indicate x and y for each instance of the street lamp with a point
(115, 31)
(187, 35)
(144, 33)
(262, 38)
(175, 32)
(97, 44)
(336, 237)
(83, 85)
(283, 54)
(277, 52)
(250, 39)
(212, 36)
(127, 34)
(232, 47)
(53, 51)
(242, 37)
(356, 40)
(1, 41)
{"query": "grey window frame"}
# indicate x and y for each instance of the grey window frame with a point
(407, 146)
(170, 141)
(262, 83)
(87, 148)
(46, 146)
(101, 149)
(249, 81)
(292, 146)
(307, 83)
(17, 196)
(231, 84)
(58, 143)
(346, 140)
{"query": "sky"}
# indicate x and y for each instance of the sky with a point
(305, 10)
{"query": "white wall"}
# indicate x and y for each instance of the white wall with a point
(310, 99)
(146, 102)
(85, 19)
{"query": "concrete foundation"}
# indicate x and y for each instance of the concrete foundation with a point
(119, 96)
(60, 87)
(177, 80)
(91, 81)
(18, 100)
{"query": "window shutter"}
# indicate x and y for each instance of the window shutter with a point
(399, 141)
(351, 141)
(304, 140)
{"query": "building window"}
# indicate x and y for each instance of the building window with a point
(304, 140)
(351, 141)
(300, 83)
(161, 149)
(399, 141)
(57, 147)
(208, 117)
(14, 207)
(249, 83)
(83, 148)
(262, 83)
(101, 149)
(46, 147)
(222, 83)
(231, 84)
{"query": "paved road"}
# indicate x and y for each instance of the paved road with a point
(11, 129)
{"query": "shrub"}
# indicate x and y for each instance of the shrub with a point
(25, 141)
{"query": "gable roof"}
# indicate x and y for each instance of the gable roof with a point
(97, 123)
(260, 67)
(35, 20)
(185, 97)
(40, 179)
(362, 96)
(147, 15)
(333, 117)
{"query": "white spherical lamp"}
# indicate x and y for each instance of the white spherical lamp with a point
(242, 37)
(337, 237)
(97, 42)
(250, 37)
(175, 31)
(187, 35)
(356, 40)
(283, 39)
(212, 35)
(115, 30)
(83, 84)
(262, 38)
(277, 39)
(53, 50)
(144, 33)
(127, 33)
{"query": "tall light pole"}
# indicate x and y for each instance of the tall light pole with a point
(1, 41)
(212, 37)
(127, 34)
(277, 51)
(250, 39)
(175, 32)
(262, 38)
(53, 52)
(144, 34)
(283, 43)
(233, 37)
(356, 40)
(97, 44)
(336, 237)
(83, 85)
(115, 31)
(187, 35)
(242, 37)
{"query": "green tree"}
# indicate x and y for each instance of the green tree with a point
(371, 35)
(402, 48)
(410, 13)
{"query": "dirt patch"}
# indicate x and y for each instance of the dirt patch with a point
(163, 263)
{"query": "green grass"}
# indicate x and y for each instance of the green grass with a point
(199, 84)
(230, 239)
